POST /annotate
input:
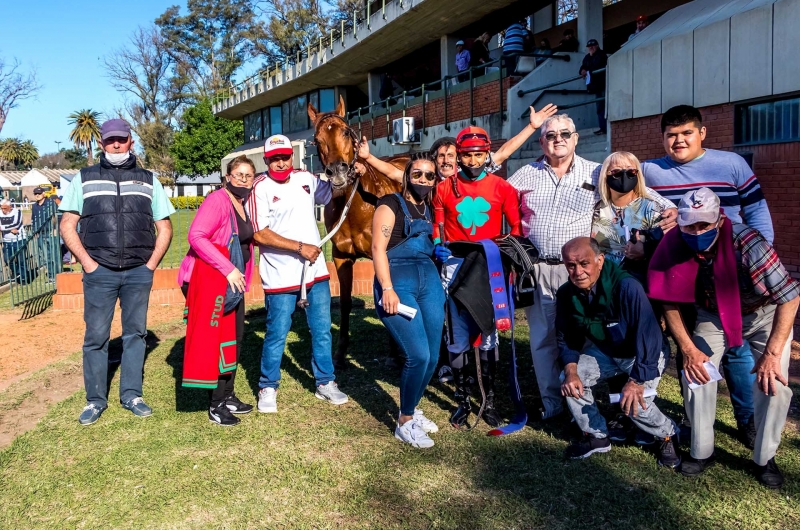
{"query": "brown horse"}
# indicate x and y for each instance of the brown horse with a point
(337, 145)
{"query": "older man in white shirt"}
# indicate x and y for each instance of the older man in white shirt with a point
(557, 198)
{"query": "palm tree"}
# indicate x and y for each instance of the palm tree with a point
(10, 151)
(86, 130)
(28, 154)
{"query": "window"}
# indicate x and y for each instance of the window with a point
(252, 127)
(313, 98)
(768, 122)
(295, 114)
(327, 100)
(275, 121)
(567, 10)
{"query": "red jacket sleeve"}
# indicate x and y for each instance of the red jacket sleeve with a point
(438, 210)
(511, 209)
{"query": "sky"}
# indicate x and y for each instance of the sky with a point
(65, 41)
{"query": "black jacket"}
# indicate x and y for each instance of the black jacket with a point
(117, 227)
(597, 82)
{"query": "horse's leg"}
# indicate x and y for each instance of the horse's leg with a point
(344, 270)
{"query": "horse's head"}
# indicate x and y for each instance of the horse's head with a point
(337, 144)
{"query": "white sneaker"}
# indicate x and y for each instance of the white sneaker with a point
(411, 433)
(267, 400)
(424, 423)
(330, 392)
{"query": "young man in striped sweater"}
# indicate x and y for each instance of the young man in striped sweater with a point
(689, 166)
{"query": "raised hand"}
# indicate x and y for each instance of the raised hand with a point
(537, 118)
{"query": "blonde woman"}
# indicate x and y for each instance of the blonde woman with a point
(626, 218)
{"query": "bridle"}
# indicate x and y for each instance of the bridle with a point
(351, 166)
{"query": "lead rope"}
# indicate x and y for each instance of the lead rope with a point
(303, 302)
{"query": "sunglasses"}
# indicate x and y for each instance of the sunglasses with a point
(565, 135)
(617, 174)
(429, 175)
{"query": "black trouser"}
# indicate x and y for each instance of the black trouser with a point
(225, 382)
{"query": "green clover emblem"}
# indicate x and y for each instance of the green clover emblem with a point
(473, 212)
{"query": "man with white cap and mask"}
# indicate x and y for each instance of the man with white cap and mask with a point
(124, 232)
(282, 210)
(742, 292)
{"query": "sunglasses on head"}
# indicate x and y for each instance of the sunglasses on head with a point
(565, 135)
(478, 136)
(619, 173)
(429, 175)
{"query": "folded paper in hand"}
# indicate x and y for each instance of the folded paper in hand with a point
(648, 392)
(403, 310)
(713, 374)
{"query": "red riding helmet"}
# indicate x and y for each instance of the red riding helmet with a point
(473, 139)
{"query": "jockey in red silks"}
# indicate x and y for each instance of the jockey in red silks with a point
(471, 206)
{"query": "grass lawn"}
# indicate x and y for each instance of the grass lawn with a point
(313, 465)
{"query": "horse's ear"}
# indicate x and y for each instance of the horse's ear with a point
(340, 110)
(312, 113)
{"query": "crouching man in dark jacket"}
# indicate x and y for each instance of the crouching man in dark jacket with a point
(605, 326)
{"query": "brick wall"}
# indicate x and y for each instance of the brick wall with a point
(165, 291)
(776, 165)
(485, 100)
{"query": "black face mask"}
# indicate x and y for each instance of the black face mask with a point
(472, 172)
(419, 191)
(240, 193)
(624, 182)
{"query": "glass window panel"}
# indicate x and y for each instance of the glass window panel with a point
(252, 127)
(298, 114)
(313, 98)
(772, 121)
(327, 101)
(285, 117)
(275, 121)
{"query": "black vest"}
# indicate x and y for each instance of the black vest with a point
(117, 227)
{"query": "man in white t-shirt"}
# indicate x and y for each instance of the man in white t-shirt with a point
(282, 211)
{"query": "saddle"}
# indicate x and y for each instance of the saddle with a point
(470, 287)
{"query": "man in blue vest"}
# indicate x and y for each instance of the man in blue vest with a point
(124, 232)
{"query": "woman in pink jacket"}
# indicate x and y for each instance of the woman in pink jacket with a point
(212, 227)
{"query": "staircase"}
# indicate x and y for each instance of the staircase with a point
(590, 146)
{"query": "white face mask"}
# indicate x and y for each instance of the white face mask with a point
(117, 159)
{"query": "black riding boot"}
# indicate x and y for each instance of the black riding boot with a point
(459, 417)
(488, 370)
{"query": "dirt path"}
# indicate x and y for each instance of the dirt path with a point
(29, 345)
(50, 376)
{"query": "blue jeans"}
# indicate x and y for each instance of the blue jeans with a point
(101, 290)
(280, 308)
(736, 366)
(417, 284)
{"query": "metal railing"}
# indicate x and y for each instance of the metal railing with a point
(523, 93)
(361, 18)
(31, 263)
(388, 105)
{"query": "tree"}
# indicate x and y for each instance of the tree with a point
(209, 43)
(15, 151)
(148, 74)
(204, 140)
(287, 27)
(14, 87)
(86, 130)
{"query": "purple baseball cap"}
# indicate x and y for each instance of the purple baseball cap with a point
(115, 127)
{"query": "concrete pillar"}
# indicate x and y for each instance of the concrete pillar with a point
(374, 87)
(543, 19)
(448, 54)
(590, 22)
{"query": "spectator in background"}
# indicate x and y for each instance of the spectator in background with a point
(641, 23)
(527, 41)
(42, 211)
(479, 53)
(569, 43)
(544, 49)
(13, 239)
(462, 61)
(513, 44)
(596, 59)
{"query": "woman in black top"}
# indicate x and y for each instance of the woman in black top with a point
(405, 275)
